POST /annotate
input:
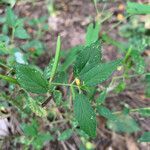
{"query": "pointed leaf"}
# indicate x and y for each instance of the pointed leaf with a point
(88, 58)
(147, 85)
(31, 79)
(21, 33)
(71, 56)
(92, 33)
(145, 112)
(145, 137)
(57, 97)
(10, 17)
(123, 123)
(105, 112)
(137, 9)
(101, 98)
(36, 108)
(100, 73)
(85, 114)
(65, 135)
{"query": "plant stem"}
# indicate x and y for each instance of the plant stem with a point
(64, 84)
(9, 79)
(12, 35)
(133, 110)
(4, 66)
(118, 23)
(95, 5)
(56, 60)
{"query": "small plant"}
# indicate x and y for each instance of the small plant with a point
(39, 93)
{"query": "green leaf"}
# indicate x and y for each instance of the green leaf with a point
(36, 45)
(105, 112)
(123, 123)
(36, 108)
(138, 61)
(85, 114)
(145, 137)
(31, 79)
(137, 9)
(101, 98)
(65, 135)
(120, 87)
(71, 56)
(92, 33)
(100, 73)
(145, 112)
(57, 97)
(88, 67)
(41, 139)
(82, 133)
(118, 44)
(147, 87)
(61, 77)
(88, 58)
(5, 29)
(10, 17)
(30, 129)
(48, 69)
(21, 33)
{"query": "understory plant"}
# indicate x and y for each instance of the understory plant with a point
(73, 91)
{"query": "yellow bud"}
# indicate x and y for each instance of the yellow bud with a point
(77, 81)
(89, 145)
(120, 17)
(119, 68)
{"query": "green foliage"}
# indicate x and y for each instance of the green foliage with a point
(57, 97)
(35, 47)
(10, 18)
(31, 129)
(32, 136)
(71, 56)
(118, 122)
(101, 99)
(88, 58)
(31, 79)
(41, 139)
(147, 83)
(105, 112)
(120, 87)
(145, 137)
(35, 107)
(85, 114)
(21, 33)
(88, 66)
(145, 112)
(138, 61)
(70, 90)
(137, 9)
(56, 59)
(99, 73)
(65, 135)
(92, 33)
(123, 123)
